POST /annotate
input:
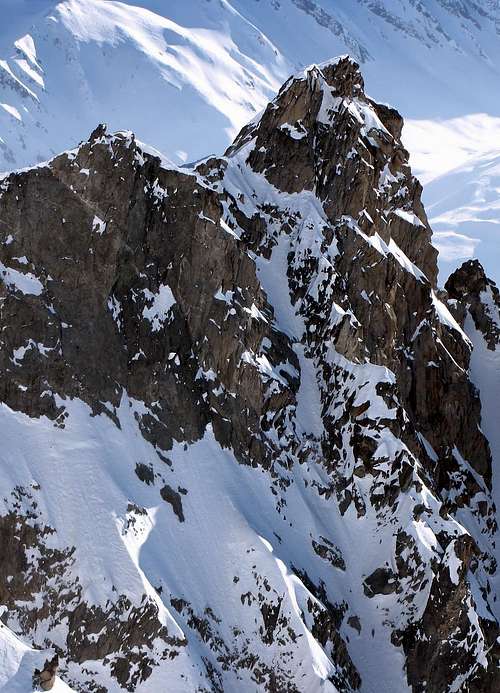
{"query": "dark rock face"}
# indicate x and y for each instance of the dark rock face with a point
(467, 289)
(381, 581)
(444, 621)
(272, 313)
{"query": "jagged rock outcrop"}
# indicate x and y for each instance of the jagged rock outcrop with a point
(469, 290)
(46, 677)
(241, 377)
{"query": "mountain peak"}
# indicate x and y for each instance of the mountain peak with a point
(342, 74)
(473, 292)
(469, 278)
(322, 134)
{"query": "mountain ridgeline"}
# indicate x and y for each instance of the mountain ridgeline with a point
(243, 438)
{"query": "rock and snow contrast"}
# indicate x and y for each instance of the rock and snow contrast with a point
(19, 662)
(186, 76)
(247, 443)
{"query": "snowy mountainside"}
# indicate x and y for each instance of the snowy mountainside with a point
(241, 449)
(70, 65)
(457, 162)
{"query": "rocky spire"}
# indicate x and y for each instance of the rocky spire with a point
(470, 289)
(323, 134)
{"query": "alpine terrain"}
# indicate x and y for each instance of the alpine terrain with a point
(186, 76)
(247, 443)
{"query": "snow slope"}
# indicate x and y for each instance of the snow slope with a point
(185, 87)
(228, 511)
(458, 160)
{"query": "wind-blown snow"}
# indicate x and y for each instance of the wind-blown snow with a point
(463, 206)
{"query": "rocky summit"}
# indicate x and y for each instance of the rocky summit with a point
(246, 442)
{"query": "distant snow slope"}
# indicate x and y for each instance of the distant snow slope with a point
(186, 76)
(439, 146)
(458, 162)
(464, 208)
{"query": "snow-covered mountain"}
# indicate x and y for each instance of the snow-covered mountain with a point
(242, 442)
(247, 444)
(186, 76)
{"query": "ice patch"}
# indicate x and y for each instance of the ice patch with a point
(27, 283)
(161, 303)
